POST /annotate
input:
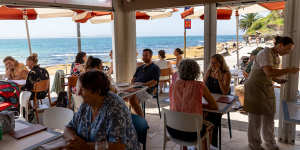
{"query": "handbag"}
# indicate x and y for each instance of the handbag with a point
(7, 121)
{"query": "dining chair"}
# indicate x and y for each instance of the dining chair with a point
(57, 117)
(155, 95)
(186, 122)
(165, 76)
(40, 86)
(72, 81)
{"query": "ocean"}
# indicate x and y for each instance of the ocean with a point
(53, 51)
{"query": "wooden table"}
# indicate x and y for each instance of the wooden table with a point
(223, 109)
(27, 143)
(291, 112)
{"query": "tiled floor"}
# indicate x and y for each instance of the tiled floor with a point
(239, 124)
(238, 141)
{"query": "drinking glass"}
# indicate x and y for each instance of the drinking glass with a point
(101, 145)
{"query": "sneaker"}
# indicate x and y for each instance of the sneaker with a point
(272, 146)
(258, 147)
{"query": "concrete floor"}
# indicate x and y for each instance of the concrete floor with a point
(239, 123)
(238, 141)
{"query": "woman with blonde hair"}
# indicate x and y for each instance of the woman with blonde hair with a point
(14, 70)
(35, 74)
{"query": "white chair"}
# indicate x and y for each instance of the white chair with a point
(57, 117)
(186, 122)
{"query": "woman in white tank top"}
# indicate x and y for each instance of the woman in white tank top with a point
(162, 64)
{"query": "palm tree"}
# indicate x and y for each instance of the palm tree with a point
(247, 20)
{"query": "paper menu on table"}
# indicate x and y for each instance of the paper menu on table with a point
(220, 98)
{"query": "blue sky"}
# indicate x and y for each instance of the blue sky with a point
(64, 27)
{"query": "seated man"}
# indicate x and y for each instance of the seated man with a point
(147, 74)
(14, 70)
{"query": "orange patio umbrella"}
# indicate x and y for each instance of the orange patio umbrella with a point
(102, 17)
(24, 13)
(97, 17)
(198, 12)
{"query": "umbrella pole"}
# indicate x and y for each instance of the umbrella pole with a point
(78, 37)
(28, 35)
(184, 43)
(237, 38)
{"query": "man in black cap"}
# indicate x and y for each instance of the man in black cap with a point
(252, 57)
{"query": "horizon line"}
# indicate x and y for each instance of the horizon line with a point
(71, 37)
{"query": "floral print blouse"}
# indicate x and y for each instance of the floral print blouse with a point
(113, 123)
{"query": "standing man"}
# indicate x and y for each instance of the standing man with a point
(260, 99)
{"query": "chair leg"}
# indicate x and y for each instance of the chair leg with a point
(50, 103)
(144, 146)
(164, 145)
(158, 106)
(229, 125)
(37, 116)
(144, 108)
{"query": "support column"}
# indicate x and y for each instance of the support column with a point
(289, 90)
(78, 37)
(124, 42)
(210, 32)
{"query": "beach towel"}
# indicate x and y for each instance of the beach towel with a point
(58, 83)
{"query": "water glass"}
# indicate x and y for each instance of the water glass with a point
(101, 145)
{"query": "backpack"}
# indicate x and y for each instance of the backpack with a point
(9, 95)
(62, 99)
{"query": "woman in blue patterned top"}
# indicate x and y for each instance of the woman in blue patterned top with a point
(102, 117)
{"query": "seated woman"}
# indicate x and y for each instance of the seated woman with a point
(78, 66)
(14, 70)
(93, 63)
(217, 79)
(189, 101)
(36, 74)
(178, 54)
(103, 117)
(163, 64)
(218, 76)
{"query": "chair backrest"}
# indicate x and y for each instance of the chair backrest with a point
(57, 117)
(72, 81)
(165, 72)
(41, 86)
(187, 122)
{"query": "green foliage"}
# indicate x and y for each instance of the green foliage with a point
(267, 25)
(247, 20)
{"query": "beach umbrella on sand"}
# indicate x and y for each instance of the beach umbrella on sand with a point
(24, 13)
(243, 9)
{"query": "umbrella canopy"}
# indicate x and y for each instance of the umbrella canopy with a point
(102, 17)
(198, 12)
(7, 13)
(223, 12)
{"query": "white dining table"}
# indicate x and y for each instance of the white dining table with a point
(223, 108)
(30, 142)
